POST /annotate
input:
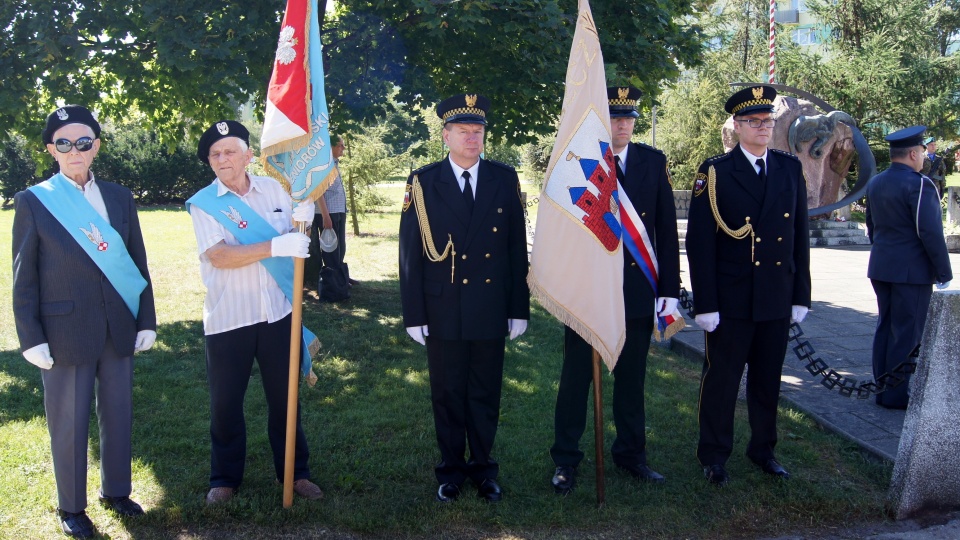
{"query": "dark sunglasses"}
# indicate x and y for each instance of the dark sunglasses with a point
(82, 144)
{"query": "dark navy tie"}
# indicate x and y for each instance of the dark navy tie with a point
(763, 171)
(620, 175)
(467, 191)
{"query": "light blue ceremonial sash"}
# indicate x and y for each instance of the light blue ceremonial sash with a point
(101, 241)
(249, 228)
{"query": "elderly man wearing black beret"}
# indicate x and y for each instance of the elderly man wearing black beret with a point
(242, 224)
(83, 304)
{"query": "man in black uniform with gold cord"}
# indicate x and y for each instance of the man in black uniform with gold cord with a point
(463, 285)
(749, 252)
(642, 171)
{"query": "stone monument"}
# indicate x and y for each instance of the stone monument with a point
(925, 473)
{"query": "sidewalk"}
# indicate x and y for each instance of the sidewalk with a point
(840, 329)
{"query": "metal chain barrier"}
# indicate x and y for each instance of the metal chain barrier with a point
(846, 386)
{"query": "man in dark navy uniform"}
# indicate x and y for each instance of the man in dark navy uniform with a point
(642, 171)
(749, 252)
(463, 272)
(909, 254)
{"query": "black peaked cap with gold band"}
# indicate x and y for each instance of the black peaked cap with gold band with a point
(623, 101)
(464, 109)
(753, 99)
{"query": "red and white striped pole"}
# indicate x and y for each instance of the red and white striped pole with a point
(773, 41)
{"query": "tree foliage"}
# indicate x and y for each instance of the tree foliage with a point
(190, 62)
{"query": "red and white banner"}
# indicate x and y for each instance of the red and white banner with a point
(286, 123)
(576, 269)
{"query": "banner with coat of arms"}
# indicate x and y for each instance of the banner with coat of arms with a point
(576, 268)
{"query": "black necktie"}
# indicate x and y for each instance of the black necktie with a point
(620, 175)
(467, 191)
(763, 171)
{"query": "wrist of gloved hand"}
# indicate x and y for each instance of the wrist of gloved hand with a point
(39, 355)
(293, 244)
(304, 211)
(145, 340)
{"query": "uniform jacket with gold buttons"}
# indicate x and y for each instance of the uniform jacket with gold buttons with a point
(489, 282)
(725, 276)
(648, 187)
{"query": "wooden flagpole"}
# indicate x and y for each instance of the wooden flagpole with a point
(293, 381)
(598, 425)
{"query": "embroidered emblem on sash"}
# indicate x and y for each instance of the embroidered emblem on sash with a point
(96, 237)
(234, 216)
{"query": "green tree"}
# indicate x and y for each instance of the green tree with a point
(190, 62)
(367, 161)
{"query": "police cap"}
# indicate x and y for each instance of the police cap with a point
(464, 109)
(906, 137)
(753, 99)
(623, 101)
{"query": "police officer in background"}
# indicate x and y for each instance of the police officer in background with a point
(463, 286)
(642, 171)
(908, 255)
(749, 252)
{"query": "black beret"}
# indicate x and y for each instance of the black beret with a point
(906, 137)
(464, 109)
(623, 101)
(69, 114)
(220, 130)
(751, 100)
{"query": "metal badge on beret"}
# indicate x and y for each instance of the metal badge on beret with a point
(69, 114)
(220, 130)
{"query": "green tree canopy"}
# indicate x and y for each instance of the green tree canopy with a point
(186, 63)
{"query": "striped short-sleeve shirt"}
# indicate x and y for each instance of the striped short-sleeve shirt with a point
(238, 297)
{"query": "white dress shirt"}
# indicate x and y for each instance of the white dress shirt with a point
(753, 160)
(91, 192)
(458, 172)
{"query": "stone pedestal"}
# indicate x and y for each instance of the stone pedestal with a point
(953, 205)
(925, 473)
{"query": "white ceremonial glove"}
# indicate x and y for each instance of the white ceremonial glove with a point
(798, 313)
(517, 327)
(708, 321)
(943, 285)
(418, 333)
(304, 211)
(39, 356)
(293, 244)
(145, 339)
(666, 306)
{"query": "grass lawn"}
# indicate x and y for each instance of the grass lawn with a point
(371, 433)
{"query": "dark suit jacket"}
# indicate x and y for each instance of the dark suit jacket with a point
(60, 296)
(490, 280)
(648, 187)
(723, 277)
(904, 224)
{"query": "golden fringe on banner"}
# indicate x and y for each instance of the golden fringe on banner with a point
(557, 310)
(670, 331)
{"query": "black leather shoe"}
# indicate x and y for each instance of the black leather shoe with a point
(564, 478)
(490, 490)
(76, 524)
(122, 505)
(448, 492)
(642, 472)
(716, 475)
(771, 466)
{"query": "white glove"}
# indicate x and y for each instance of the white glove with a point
(145, 339)
(708, 321)
(292, 244)
(39, 356)
(304, 212)
(943, 285)
(666, 306)
(517, 327)
(798, 313)
(418, 333)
